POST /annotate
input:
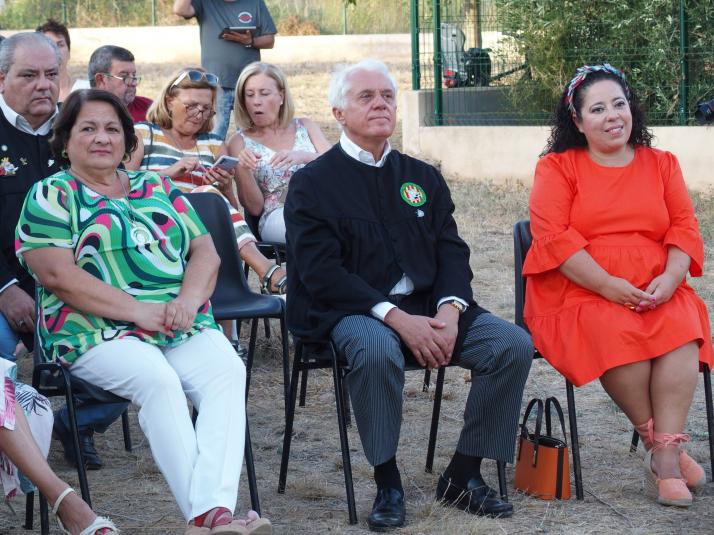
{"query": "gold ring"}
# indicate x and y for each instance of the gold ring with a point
(630, 306)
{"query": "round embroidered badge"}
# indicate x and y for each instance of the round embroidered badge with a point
(413, 194)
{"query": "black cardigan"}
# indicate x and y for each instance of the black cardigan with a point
(351, 234)
(34, 161)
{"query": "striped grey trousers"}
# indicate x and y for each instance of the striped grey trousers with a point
(499, 354)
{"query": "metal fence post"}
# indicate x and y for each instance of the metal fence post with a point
(438, 119)
(153, 12)
(683, 64)
(416, 67)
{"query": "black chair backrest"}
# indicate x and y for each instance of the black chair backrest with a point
(522, 240)
(231, 284)
(252, 222)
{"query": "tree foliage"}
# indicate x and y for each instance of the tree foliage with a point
(642, 37)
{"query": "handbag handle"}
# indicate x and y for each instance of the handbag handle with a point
(550, 404)
(535, 402)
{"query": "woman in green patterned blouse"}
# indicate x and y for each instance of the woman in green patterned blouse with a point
(125, 269)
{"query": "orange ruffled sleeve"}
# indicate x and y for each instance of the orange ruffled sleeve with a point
(683, 231)
(554, 240)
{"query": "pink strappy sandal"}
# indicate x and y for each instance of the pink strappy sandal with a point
(667, 491)
(692, 472)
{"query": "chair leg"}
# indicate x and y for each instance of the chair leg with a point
(427, 381)
(502, 485)
(266, 324)
(79, 458)
(710, 414)
(574, 442)
(125, 429)
(250, 470)
(344, 443)
(434, 418)
(303, 387)
(44, 515)
(29, 509)
(251, 354)
(289, 417)
(286, 359)
(635, 441)
(346, 401)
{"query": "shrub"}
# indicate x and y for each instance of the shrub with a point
(640, 36)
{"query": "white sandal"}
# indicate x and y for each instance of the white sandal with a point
(99, 523)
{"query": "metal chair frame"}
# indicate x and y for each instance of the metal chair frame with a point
(522, 240)
(325, 355)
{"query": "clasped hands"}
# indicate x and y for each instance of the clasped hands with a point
(431, 340)
(622, 292)
(175, 315)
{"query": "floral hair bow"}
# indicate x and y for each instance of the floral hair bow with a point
(583, 72)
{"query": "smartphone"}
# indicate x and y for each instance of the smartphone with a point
(227, 163)
(239, 29)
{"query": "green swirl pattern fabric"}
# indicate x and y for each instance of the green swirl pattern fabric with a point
(60, 211)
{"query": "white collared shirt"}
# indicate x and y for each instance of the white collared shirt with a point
(19, 122)
(404, 286)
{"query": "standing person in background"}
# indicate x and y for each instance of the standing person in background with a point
(112, 68)
(226, 53)
(59, 34)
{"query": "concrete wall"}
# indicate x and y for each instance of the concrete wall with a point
(502, 153)
(180, 44)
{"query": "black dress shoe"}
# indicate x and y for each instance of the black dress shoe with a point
(388, 510)
(92, 460)
(477, 497)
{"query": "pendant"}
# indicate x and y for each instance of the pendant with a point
(140, 235)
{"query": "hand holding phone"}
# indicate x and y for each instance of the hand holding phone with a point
(227, 163)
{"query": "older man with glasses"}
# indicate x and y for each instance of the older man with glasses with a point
(112, 68)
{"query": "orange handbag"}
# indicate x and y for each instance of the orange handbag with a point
(542, 468)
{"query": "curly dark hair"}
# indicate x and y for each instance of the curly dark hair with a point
(564, 133)
(67, 117)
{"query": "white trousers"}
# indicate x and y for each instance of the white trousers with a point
(273, 228)
(202, 465)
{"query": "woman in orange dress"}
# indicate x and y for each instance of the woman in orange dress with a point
(614, 235)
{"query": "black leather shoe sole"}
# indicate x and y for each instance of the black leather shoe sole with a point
(481, 500)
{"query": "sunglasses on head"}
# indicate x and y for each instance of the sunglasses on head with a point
(197, 76)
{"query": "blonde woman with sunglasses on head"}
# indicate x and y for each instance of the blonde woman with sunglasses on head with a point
(176, 141)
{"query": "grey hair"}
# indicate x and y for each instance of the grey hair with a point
(101, 60)
(340, 82)
(10, 44)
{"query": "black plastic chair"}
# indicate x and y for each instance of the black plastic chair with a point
(232, 298)
(309, 356)
(522, 240)
(272, 250)
(52, 379)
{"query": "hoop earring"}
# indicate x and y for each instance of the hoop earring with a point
(127, 155)
(64, 154)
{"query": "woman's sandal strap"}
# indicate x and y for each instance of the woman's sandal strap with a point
(59, 499)
(265, 281)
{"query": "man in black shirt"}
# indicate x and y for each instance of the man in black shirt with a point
(377, 264)
(29, 67)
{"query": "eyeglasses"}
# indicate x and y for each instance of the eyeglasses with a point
(197, 76)
(194, 110)
(128, 79)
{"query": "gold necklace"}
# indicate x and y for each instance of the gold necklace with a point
(178, 145)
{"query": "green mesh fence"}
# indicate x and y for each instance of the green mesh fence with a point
(505, 62)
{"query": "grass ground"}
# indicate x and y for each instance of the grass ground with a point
(131, 490)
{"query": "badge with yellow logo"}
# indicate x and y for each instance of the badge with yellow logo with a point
(413, 194)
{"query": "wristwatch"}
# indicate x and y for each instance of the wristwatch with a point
(458, 305)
